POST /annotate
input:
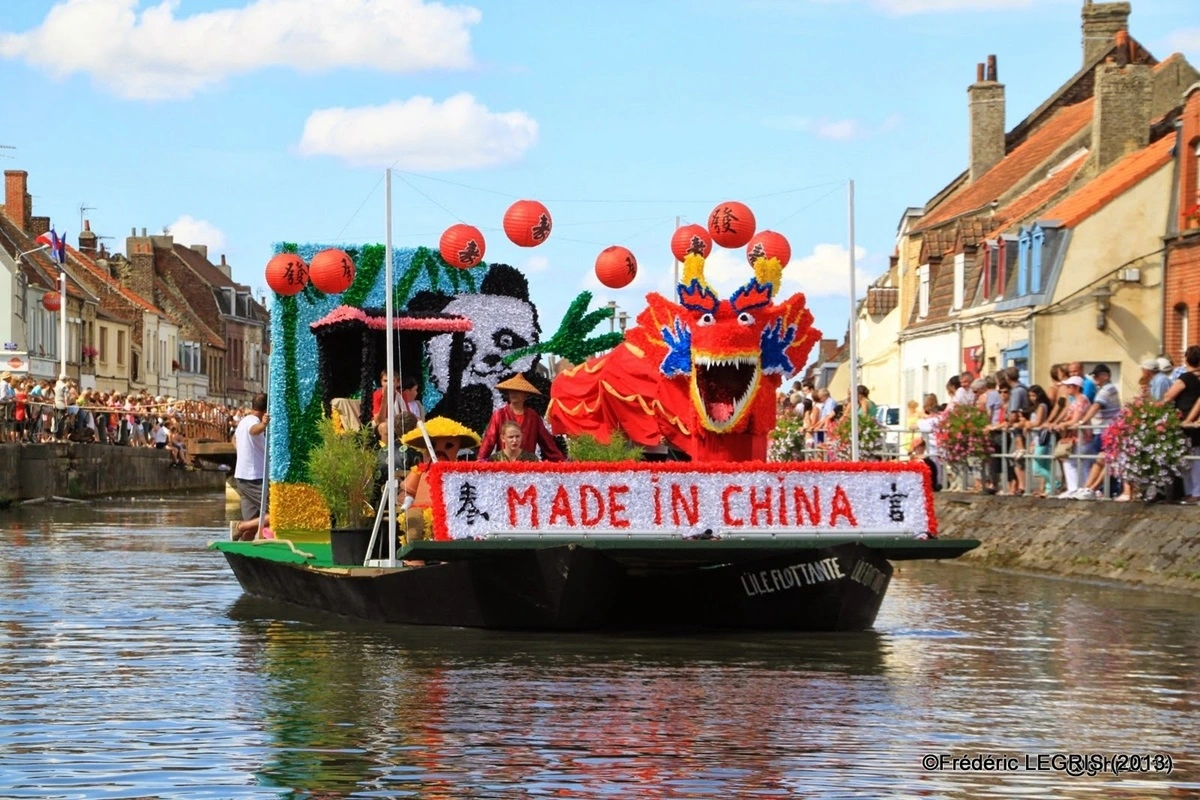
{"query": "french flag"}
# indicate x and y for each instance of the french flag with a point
(58, 247)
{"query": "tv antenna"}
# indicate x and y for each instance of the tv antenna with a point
(6, 147)
(83, 209)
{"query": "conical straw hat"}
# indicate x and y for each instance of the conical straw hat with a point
(517, 383)
(439, 427)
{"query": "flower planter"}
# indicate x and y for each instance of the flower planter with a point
(348, 546)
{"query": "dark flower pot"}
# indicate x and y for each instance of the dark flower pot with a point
(349, 546)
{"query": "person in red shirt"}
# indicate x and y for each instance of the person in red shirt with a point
(533, 429)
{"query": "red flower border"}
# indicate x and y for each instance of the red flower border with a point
(436, 471)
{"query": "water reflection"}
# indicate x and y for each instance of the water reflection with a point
(132, 666)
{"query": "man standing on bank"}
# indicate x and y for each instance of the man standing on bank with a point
(251, 442)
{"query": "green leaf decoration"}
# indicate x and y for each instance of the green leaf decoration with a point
(573, 340)
(404, 286)
(289, 247)
(368, 266)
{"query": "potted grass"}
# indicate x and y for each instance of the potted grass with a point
(342, 469)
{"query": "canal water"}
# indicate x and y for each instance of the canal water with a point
(131, 666)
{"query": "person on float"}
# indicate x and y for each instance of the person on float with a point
(533, 429)
(511, 438)
(448, 437)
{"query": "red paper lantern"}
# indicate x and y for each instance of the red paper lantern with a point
(616, 267)
(52, 301)
(731, 224)
(527, 223)
(769, 244)
(462, 246)
(691, 239)
(286, 274)
(331, 271)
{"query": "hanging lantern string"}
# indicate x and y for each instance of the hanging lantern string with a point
(802, 209)
(618, 201)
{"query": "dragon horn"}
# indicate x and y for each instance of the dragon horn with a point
(768, 271)
(693, 269)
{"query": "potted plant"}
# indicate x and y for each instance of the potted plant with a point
(618, 448)
(342, 468)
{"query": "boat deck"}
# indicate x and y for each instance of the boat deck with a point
(680, 552)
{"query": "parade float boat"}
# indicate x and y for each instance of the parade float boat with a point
(559, 547)
(724, 539)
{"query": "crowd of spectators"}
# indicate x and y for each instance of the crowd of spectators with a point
(1046, 439)
(40, 411)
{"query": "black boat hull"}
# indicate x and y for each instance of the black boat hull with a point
(573, 587)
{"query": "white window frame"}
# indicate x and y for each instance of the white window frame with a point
(923, 292)
(960, 277)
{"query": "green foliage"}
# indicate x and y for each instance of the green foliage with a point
(342, 468)
(303, 421)
(572, 341)
(586, 448)
(435, 268)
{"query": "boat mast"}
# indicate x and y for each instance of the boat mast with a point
(850, 335)
(389, 393)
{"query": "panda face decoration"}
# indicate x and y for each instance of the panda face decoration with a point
(500, 326)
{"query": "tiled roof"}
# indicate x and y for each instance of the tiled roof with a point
(38, 268)
(172, 297)
(1036, 198)
(1019, 163)
(203, 268)
(93, 269)
(1112, 183)
(935, 243)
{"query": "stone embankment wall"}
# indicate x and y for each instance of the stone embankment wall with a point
(90, 470)
(1148, 545)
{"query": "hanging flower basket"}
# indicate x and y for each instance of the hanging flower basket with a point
(1146, 444)
(871, 438)
(962, 440)
(787, 440)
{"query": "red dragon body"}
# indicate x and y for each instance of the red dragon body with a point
(701, 374)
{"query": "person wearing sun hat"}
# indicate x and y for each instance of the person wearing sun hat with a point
(448, 437)
(534, 432)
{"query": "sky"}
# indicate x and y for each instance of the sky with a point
(242, 123)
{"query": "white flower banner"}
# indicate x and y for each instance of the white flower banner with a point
(480, 500)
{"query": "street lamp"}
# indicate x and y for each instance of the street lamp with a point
(612, 318)
(622, 320)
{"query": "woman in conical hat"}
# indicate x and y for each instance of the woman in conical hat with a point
(448, 438)
(534, 433)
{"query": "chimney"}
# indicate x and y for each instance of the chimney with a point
(18, 205)
(225, 268)
(985, 101)
(202, 249)
(1101, 21)
(1122, 117)
(87, 239)
(138, 274)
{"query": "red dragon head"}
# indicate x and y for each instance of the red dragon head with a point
(733, 353)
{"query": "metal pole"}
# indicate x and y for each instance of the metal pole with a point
(853, 340)
(62, 324)
(389, 393)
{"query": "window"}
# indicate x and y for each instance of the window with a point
(120, 348)
(923, 298)
(960, 277)
(103, 345)
(1025, 243)
(1001, 269)
(1035, 259)
(986, 276)
(1181, 311)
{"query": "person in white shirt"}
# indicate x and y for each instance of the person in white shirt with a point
(250, 474)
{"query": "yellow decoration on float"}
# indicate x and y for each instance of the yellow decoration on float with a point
(693, 269)
(297, 506)
(768, 270)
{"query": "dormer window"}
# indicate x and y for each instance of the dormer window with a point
(1029, 261)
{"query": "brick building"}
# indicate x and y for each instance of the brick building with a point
(1181, 296)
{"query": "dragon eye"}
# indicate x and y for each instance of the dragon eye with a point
(744, 318)
(705, 319)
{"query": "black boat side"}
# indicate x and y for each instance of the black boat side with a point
(545, 585)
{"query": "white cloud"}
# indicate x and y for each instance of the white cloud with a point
(535, 264)
(1185, 40)
(837, 130)
(420, 134)
(154, 55)
(188, 230)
